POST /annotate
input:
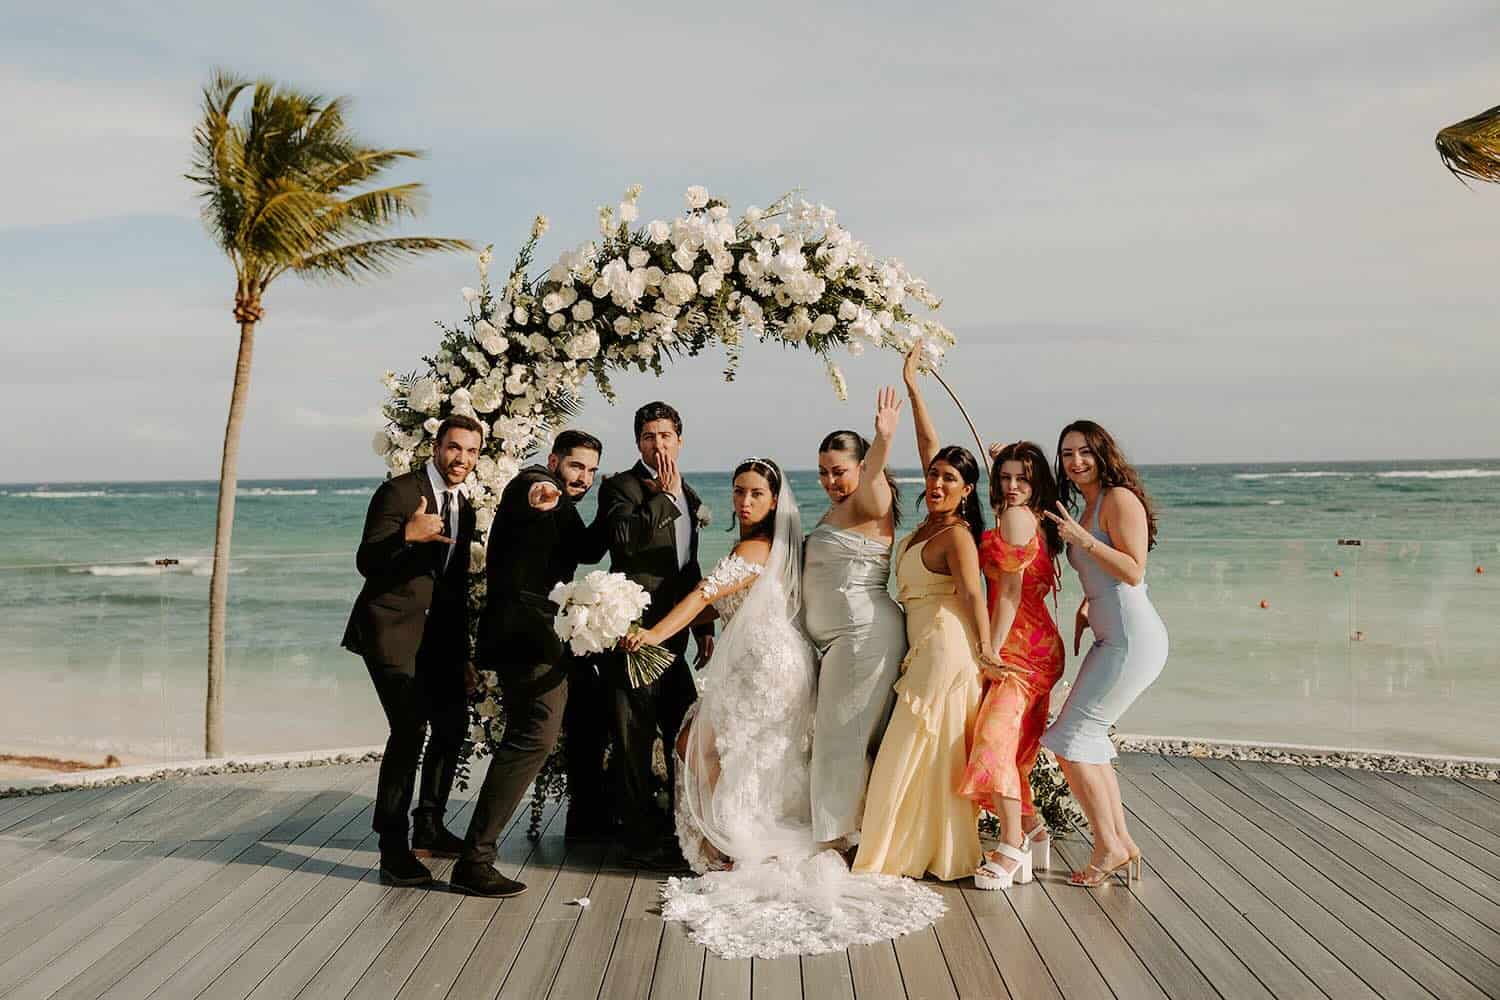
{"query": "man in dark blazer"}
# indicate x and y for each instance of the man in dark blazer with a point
(411, 625)
(537, 540)
(651, 516)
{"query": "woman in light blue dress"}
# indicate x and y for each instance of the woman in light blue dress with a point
(850, 615)
(1107, 546)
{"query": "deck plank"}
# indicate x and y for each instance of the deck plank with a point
(1456, 938)
(1260, 881)
(924, 973)
(876, 973)
(1370, 947)
(632, 964)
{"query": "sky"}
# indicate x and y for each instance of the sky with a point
(1220, 229)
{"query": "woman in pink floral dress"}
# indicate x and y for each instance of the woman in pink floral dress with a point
(1017, 559)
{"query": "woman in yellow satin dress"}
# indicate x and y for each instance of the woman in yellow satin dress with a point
(915, 820)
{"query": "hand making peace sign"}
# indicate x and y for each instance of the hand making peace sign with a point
(1070, 530)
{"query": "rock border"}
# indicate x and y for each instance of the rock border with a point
(1430, 766)
(142, 773)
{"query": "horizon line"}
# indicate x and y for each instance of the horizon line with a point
(898, 468)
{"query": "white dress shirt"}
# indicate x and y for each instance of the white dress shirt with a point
(439, 487)
(683, 526)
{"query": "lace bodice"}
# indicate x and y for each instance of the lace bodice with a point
(730, 570)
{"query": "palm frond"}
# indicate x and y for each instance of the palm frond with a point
(283, 179)
(355, 260)
(1471, 148)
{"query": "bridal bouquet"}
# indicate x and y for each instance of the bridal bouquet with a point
(596, 612)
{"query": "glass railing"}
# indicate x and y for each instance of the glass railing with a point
(1386, 645)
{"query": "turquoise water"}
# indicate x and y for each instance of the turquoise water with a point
(105, 650)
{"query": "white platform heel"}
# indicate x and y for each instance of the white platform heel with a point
(1039, 843)
(992, 875)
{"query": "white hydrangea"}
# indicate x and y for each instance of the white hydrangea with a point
(425, 397)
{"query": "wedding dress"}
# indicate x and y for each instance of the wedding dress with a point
(743, 786)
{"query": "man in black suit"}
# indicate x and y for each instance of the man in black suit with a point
(651, 516)
(411, 625)
(537, 541)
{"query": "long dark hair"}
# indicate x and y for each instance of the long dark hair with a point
(967, 468)
(1114, 470)
(1043, 487)
(855, 444)
(766, 526)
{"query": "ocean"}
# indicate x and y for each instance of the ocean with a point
(1282, 628)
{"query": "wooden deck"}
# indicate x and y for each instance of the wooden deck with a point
(1261, 881)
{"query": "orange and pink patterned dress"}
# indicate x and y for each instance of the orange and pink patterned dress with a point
(1008, 730)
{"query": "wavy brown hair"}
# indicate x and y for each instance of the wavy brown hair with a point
(1043, 487)
(1114, 470)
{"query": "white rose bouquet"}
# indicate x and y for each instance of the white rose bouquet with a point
(596, 612)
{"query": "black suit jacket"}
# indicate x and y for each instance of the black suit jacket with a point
(642, 536)
(406, 584)
(528, 553)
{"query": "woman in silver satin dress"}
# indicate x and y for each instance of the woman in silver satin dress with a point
(858, 627)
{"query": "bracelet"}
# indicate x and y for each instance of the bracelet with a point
(1090, 546)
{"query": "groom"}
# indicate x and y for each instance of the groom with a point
(651, 516)
(411, 625)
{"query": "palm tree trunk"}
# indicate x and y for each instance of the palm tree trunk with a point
(218, 587)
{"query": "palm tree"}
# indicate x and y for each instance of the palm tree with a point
(1471, 148)
(284, 187)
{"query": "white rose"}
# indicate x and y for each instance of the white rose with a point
(622, 326)
(569, 295)
(461, 400)
(658, 231)
(552, 302)
(696, 196)
(520, 316)
(753, 213)
(431, 425)
(584, 346)
(483, 518)
(823, 324)
(515, 383)
(583, 312)
(709, 283)
(653, 275)
(679, 288)
(683, 257)
(847, 310)
(556, 322)
(539, 344)
(490, 339)
(639, 257)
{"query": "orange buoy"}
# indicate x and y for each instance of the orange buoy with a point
(1479, 569)
(1265, 604)
(1338, 572)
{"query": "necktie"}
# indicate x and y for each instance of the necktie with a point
(445, 511)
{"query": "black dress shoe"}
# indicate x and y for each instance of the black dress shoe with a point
(403, 868)
(479, 879)
(432, 840)
(656, 858)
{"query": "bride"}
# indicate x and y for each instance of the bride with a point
(767, 888)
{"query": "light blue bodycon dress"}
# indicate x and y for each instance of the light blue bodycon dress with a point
(1129, 651)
